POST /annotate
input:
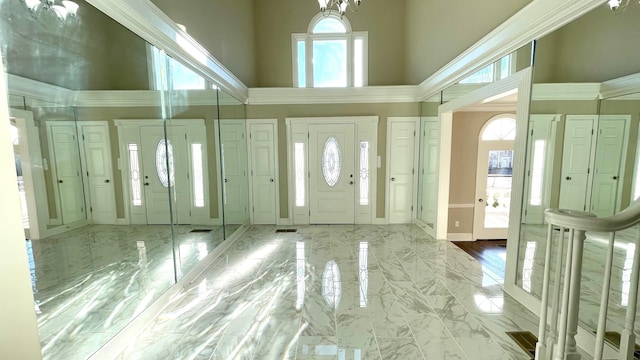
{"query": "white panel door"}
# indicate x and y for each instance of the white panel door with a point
(576, 158)
(68, 180)
(263, 171)
(234, 164)
(607, 166)
(331, 174)
(401, 171)
(156, 178)
(97, 153)
(429, 195)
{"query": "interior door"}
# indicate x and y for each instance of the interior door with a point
(97, 155)
(401, 170)
(576, 160)
(158, 178)
(493, 189)
(331, 174)
(429, 195)
(234, 164)
(263, 171)
(607, 167)
(68, 179)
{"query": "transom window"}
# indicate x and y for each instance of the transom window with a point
(330, 54)
(493, 72)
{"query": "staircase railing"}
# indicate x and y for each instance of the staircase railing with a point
(559, 342)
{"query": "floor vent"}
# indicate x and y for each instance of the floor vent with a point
(201, 230)
(526, 340)
(286, 230)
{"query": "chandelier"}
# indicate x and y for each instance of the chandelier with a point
(618, 6)
(62, 10)
(340, 5)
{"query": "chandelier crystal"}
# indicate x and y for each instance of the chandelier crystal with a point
(340, 5)
(62, 10)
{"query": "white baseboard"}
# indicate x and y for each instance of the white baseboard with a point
(285, 221)
(460, 236)
(381, 221)
(122, 221)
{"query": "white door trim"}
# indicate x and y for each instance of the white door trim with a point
(387, 196)
(274, 122)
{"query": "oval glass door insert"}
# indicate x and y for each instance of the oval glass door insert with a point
(164, 151)
(331, 161)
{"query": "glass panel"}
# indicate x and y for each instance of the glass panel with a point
(358, 62)
(331, 284)
(500, 129)
(331, 161)
(330, 63)
(299, 170)
(527, 266)
(363, 273)
(134, 171)
(198, 175)
(505, 66)
(484, 75)
(537, 173)
(302, 63)
(329, 25)
(164, 162)
(364, 173)
(499, 175)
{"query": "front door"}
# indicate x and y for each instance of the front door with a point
(164, 166)
(331, 174)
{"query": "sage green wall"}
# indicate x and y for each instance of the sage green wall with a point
(464, 158)
(276, 20)
(598, 46)
(439, 30)
(382, 110)
(224, 28)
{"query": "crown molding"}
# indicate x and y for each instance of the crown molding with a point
(537, 19)
(154, 98)
(565, 91)
(39, 93)
(626, 85)
(305, 96)
(149, 22)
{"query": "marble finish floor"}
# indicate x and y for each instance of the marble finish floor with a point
(90, 282)
(339, 292)
(531, 268)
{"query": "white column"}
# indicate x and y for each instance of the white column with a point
(18, 329)
(574, 295)
(541, 346)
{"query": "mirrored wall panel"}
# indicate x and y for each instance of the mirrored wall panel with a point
(118, 157)
(581, 152)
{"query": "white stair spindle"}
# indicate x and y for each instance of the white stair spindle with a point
(628, 338)
(541, 346)
(564, 311)
(579, 237)
(555, 303)
(604, 301)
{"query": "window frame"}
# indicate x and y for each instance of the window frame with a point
(496, 73)
(308, 39)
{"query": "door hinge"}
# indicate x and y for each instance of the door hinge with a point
(591, 131)
(413, 171)
(87, 174)
(251, 172)
(421, 208)
(91, 208)
(249, 135)
(185, 136)
(411, 207)
(531, 132)
(584, 208)
(414, 133)
(588, 171)
(82, 136)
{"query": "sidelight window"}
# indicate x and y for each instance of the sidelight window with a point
(364, 173)
(134, 170)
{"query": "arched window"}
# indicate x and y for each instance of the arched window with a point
(501, 127)
(329, 54)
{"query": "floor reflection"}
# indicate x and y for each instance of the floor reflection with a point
(90, 282)
(402, 295)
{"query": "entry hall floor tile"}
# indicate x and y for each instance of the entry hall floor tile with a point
(339, 292)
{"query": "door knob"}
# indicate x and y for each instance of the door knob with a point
(270, 180)
(615, 178)
(146, 184)
(480, 200)
(225, 180)
(393, 179)
(107, 181)
(60, 181)
(350, 182)
(568, 177)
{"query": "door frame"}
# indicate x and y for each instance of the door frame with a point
(194, 131)
(624, 156)
(366, 129)
(416, 147)
(520, 82)
(276, 164)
